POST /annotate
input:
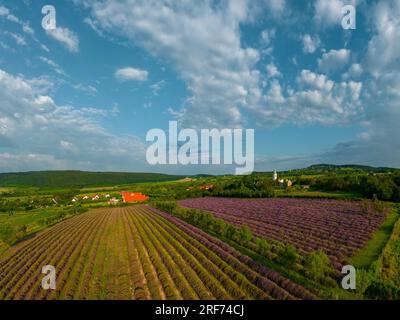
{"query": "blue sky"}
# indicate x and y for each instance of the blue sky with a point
(84, 95)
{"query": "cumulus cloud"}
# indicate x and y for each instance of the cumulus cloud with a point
(315, 81)
(273, 9)
(328, 13)
(38, 133)
(334, 60)
(384, 47)
(129, 73)
(276, 7)
(267, 37)
(310, 44)
(377, 145)
(66, 37)
(317, 99)
(273, 71)
(202, 42)
(355, 71)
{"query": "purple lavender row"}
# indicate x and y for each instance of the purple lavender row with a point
(338, 227)
(278, 286)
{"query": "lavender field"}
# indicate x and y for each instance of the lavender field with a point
(338, 227)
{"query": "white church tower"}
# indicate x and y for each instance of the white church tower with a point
(275, 176)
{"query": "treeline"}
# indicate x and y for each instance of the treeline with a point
(250, 186)
(380, 186)
(315, 265)
(12, 205)
(56, 179)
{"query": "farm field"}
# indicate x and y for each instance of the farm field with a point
(136, 253)
(340, 228)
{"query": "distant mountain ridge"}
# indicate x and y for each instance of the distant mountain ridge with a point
(74, 178)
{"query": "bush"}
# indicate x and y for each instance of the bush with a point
(8, 233)
(317, 265)
(263, 247)
(288, 257)
(379, 290)
(244, 235)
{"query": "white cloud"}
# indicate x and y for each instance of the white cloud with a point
(222, 79)
(89, 89)
(384, 46)
(45, 48)
(17, 38)
(328, 13)
(66, 37)
(54, 65)
(317, 99)
(334, 60)
(40, 134)
(308, 78)
(93, 25)
(156, 87)
(66, 145)
(272, 9)
(355, 71)
(377, 144)
(267, 37)
(131, 74)
(310, 44)
(273, 71)
(275, 95)
(27, 28)
(5, 12)
(277, 7)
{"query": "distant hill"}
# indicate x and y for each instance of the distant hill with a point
(348, 167)
(79, 178)
(338, 169)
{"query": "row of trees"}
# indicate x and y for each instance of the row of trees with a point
(381, 186)
(250, 186)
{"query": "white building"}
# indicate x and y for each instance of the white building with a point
(275, 176)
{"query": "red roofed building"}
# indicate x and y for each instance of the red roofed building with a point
(134, 197)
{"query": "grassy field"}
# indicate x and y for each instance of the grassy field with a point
(389, 262)
(33, 221)
(371, 252)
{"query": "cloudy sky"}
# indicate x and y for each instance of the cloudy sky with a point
(83, 96)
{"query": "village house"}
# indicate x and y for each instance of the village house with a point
(283, 183)
(133, 197)
(207, 187)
